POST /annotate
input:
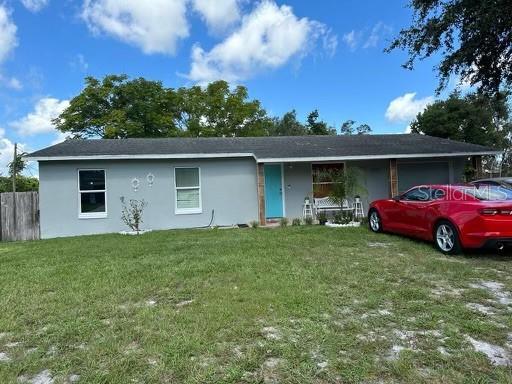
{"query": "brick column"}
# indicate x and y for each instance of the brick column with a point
(393, 178)
(260, 172)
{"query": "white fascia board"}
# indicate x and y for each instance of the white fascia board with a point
(373, 157)
(140, 157)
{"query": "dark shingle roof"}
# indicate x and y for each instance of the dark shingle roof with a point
(280, 147)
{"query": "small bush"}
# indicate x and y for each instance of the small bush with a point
(296, 222)
(308, 220)
(132, 214)
(342, 218)
(322, 218)
(283, 222)
(254, 224)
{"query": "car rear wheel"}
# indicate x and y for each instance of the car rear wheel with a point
(446, 238)
(374, 221)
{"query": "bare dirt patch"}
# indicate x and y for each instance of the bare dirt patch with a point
(43, 377)
(496, 289)
(271, 333)
(481, 308)
(4, 358)
(496, 354)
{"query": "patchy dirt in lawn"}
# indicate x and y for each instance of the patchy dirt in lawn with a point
(443, 289)
(271, 333)
(269, 370)
(496, 289)
(496, 354)
(4, 358)
(184, 303)
(481, 308)
(43, 377)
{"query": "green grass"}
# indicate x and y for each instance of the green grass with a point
(292, 305)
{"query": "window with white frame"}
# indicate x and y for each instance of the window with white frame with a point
(188, 190)
(92, 193)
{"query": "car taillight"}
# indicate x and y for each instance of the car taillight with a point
(496, 211)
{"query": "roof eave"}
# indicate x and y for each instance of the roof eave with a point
(259, 160)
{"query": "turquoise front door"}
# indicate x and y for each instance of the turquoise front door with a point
(273, 191)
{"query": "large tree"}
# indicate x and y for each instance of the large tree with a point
(116, 107)
(473, 118)
(288, 125)
(119, 107)
(347, 128)
(473, 37)
(318, 127)
(216, 110)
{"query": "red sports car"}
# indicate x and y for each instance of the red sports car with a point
(452, 216)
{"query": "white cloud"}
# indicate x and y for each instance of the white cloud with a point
(40, 119)
(351, 39)
(354, 39)
(11, 82)
(379, 31)
(218, 14)
(267, 38)
(34, 5)
(154, 26)
(405, 108)
(8, 39)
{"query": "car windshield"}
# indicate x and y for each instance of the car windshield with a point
(488, 192)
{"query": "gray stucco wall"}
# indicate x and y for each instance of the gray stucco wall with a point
(228, 186)
(374, 178)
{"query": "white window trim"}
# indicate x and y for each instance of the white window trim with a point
(188, 211)
(91, 215)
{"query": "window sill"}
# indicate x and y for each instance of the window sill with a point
(188, 211)
(92, 215)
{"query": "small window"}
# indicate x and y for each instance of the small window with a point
(417, 194)
(93, 193)
(188, 190)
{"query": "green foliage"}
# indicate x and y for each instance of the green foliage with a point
(288, 125)
(322, 218)
(473, 118)
(347, 128)
(343, 218)
(346, 183)
(254, 224)
(131, 214)
(308, 220)
(318, 127)
(296, 222)
(23, 184)
(283, 222)
(17, 165)
(118, 107)
(218, 111)
(474, 39)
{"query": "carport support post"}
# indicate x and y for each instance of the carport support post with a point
(260, 172)
(393, 178)
(477, 166)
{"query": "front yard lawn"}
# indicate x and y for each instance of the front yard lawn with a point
(290, 305)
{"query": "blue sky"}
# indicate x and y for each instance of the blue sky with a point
(296, 54)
